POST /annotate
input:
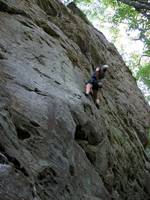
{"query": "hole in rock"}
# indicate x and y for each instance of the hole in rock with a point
(22, 134)
(36, 90)
(72, 170)
(14, 161)
(80, 134)
(3, 6)
(2, 149)
(67, 189)
(1, 56)
(47, 177)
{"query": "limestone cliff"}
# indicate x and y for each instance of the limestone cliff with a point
(54, 143)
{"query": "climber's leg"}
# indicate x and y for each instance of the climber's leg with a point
(96, 99)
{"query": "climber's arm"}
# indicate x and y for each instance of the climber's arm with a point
(97, 73)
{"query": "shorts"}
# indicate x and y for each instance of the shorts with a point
(94, 84)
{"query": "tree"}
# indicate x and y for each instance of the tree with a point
(135, 13)
(142, 6)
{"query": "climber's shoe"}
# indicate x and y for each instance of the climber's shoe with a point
(97, 105)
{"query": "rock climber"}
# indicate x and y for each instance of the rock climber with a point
(93, 85)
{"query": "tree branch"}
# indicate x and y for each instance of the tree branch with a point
(137, 4)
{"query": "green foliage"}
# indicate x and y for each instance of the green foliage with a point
(126, 13)
(144, 74)
(115, 33)
(122, 11)
(112, 3)
(147, 53)
(83, 1)
(147, 44)
(148, 99)
(133, 62)
(134, 20)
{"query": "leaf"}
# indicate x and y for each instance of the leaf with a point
(144, 74)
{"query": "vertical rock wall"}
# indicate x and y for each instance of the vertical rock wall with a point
(54, 143)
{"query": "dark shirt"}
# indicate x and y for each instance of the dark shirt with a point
(101, 75)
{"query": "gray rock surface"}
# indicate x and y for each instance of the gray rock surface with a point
(54, 143)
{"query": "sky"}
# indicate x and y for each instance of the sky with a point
(124, 41)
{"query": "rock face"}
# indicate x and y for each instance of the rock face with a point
(54, 143)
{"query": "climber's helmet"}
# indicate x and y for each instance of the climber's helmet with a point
(104, 68)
